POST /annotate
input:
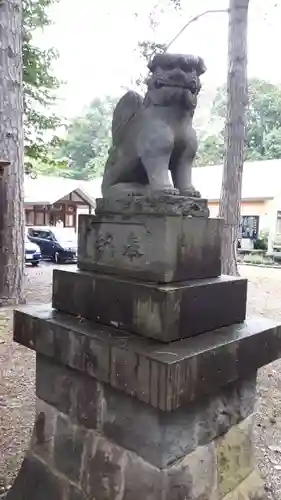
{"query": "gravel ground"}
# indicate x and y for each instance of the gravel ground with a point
(17, 377)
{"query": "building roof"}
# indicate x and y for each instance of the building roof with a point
(93, 187)
(261, 180)
(48, 190)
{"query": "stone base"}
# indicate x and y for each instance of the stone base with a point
(159, 248)
(166, 377)
(158, 437)
(252, 488)
(163, 204)
(38, 481)
(120, 417)
(163, 312)
(72, 456)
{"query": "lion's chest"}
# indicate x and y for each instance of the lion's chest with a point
(184, 135)
(177, 119)
(158, 124)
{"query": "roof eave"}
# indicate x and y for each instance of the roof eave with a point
(38, 202)
(248, 198)
(86, 197)
(79, 191)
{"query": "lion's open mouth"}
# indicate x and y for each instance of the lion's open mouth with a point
(191, 86)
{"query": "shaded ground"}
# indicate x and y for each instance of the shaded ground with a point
(17, 376)
(264, 298)
(17, 380)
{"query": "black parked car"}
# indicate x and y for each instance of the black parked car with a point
(32, 252)
(57, 244)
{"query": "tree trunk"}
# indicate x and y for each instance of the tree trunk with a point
(235, 131)
(11, 149)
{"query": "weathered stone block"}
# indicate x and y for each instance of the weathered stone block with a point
(142, 480)
(103, 473)
(87, 352)
(165, 378)
(158, 248)
(195, 477)
(162, 312)
(252, 488)
(109, 472)
(235, 456)
(37, 481)
(54, 384)
(163, 438)
(71, 392)
(68, 448)
(76, 494)
(158, 437)
(161, 204)
(42, 441)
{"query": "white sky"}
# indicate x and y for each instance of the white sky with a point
(97, 39)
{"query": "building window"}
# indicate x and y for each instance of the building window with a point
(69, 220)
(39, 219)
(47, 219)
(29, 218)
(249, 227)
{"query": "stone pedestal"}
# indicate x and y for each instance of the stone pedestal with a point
(158, 248)
(161, 311)
(146, 380)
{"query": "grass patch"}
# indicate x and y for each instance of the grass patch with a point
(257, 259)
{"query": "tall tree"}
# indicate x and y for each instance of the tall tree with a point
(88, 140)
(235, 130)
(39, 83)
(263, 138)
(11, 149)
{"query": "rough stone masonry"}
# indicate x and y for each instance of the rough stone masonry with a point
(146, 362)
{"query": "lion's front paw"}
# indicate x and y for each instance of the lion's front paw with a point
(190, 192)
(169, 190)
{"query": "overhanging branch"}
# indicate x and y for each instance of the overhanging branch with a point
(192, 20)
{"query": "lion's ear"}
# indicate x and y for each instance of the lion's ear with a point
(201, 67)
(151, 66)
(153, 63)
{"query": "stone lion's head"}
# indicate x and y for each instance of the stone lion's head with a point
(175, 78)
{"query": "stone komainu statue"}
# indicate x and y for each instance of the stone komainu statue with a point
(153, 135)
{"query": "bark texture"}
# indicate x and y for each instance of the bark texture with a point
(11, 149)
(235, 130)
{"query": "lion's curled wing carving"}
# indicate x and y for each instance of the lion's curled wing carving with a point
(125, 110)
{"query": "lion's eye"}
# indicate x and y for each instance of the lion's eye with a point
(185, 67)
(193, 87)
(169, 66)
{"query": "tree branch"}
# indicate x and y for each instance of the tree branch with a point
(192, 20)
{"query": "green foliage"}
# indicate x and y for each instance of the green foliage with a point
(39, 83)
(263, 139)
(87, 141)
(210, 149)
(149, 48)
(260, 244)
(257, 260)
(37, 166)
